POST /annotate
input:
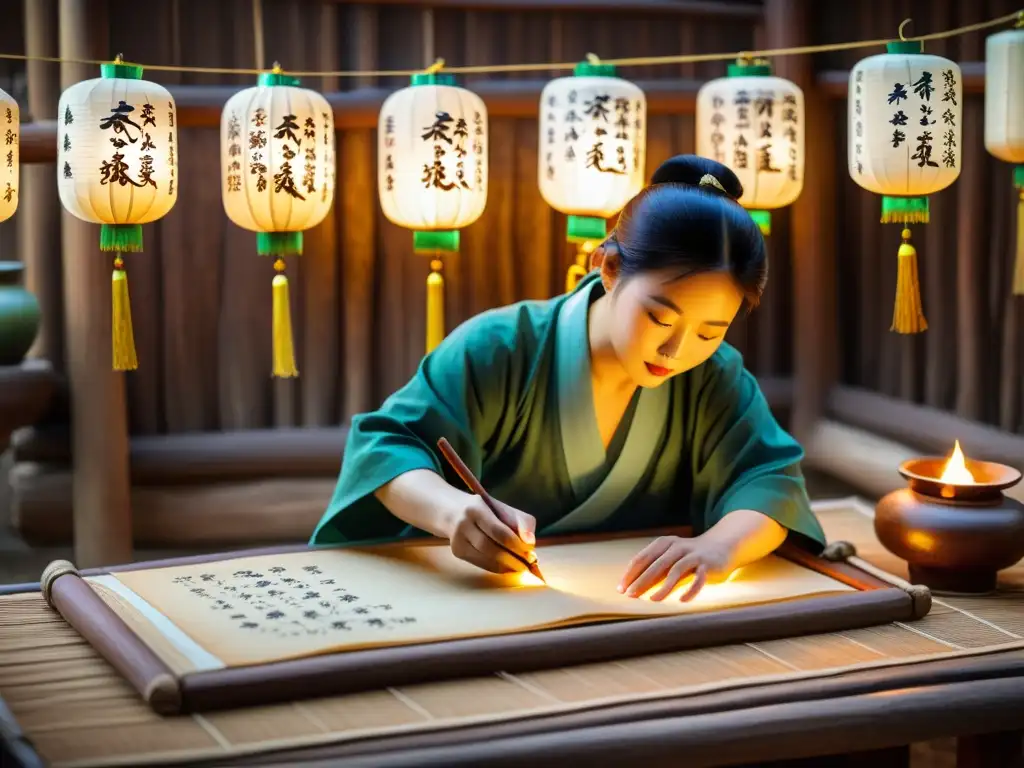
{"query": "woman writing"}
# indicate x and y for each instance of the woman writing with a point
(616, 407)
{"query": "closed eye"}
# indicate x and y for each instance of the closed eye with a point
(706, 338)
(656, 321)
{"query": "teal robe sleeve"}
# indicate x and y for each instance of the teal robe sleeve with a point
(458, 392)
(742, 458)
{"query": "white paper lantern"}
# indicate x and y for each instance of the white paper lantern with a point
(277, 179)
(593, 144)
(592, 152)
(117, 166)
(905, 121)
(10, 124)
(432, 171)
(753, 123)
(1004, 95)
(1004, 118)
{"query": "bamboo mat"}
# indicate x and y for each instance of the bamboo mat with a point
(77, 711)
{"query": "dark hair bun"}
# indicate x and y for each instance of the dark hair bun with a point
(690, 169)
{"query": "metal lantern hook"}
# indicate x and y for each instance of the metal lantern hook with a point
(902, 25)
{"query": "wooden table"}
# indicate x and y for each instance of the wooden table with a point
(857, 697)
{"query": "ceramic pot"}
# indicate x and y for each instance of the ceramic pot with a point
(954, 539)
(19, 314)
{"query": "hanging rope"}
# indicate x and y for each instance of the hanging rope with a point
(642, 61)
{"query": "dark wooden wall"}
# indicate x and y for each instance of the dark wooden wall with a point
(201, 297)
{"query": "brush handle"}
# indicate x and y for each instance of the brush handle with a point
(474, 485)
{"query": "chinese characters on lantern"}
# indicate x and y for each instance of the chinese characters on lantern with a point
(68, 120)
(948, 118)
(790, 125)
(922, 125)
(10, 141)
(284, 179)
(309, 169)
(234, 154)
(452, 151)
(571, 136)
(389, 158)
(257, 144)
(328, 156)
(717, 120)
(596, 108)
(478, 149)
(124, 131)
(170, 148)
(434, 174)
(858, 124)
(764, 108)
(740, 145)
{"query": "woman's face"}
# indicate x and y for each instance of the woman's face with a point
(661, 324)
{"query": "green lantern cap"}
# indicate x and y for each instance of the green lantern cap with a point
(594, 69)
(904, 210)
(431, 241)
(118, 69)
(276, 78)
(747, 68)
(904, 46)
(432, 78)
(279, 243)
(579, 229)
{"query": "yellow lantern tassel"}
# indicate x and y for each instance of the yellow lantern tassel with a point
(435, 305)
(123, 335)
(579, 270)
(908, 315)
(284, 347)
(1018, 272)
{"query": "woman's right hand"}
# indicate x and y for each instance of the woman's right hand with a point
(483, 538)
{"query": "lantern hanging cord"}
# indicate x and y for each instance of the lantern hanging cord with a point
(643, 61)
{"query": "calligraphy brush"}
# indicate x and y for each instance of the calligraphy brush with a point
(474, 485)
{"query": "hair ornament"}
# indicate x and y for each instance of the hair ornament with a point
(707, 180)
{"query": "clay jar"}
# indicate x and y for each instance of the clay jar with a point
(19, 314)
(955, 538)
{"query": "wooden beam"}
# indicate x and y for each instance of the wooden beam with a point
(813, 241)
(202, 457)
(225, 514)
(700, 8)
(200, 106)
(99, 419)
(835, 82)
(924, 428)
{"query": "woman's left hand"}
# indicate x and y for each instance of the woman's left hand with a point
(671, 559)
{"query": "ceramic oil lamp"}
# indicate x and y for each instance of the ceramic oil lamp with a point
(952, 523)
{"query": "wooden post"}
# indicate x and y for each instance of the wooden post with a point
(99, 424)
(38, 219)
(813, 245)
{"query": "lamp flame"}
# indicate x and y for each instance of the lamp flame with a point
(956, 472)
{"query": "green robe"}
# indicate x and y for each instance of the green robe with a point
(511, 391)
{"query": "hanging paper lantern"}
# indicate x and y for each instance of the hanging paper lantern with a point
(1004, 118)
(432, 172)
(278, 163)
(905, 121)
(593, 145)
(753, 123)
(116, 166)
(10, 124)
